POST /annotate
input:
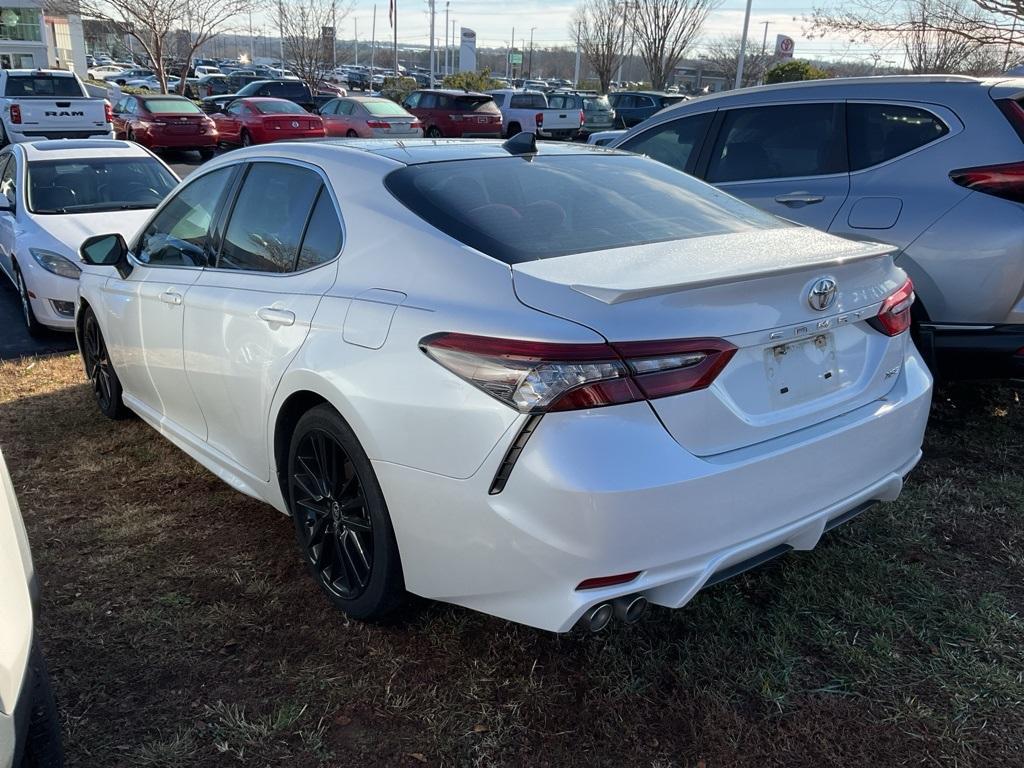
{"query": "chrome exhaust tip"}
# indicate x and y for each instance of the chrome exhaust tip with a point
(631, 609)
(597, 618)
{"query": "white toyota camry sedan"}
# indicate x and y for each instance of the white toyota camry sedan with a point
(54, 194)
(555, 384)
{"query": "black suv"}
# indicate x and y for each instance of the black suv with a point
(292, 90)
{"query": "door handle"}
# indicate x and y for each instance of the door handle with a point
(799, 198)
(170, 296)
(276, 316)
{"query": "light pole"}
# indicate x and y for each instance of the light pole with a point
(446, 70)
(432, 38)
(530, 75)
(743, 45)
(764, 40)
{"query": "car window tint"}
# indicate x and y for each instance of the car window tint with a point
(8, 181)
(556, 102)
(777, 142)
(499, 99)
(428, 101)
(413, 100)
(235, 108)
(556, 205)
(880, 132)
(322, 240)
(179, 235)
(268, 218)
(671, 143)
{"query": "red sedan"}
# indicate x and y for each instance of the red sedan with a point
(261, 121)
(165, 122)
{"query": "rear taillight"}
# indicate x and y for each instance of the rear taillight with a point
(1014, 113)
(535, 376)
(416, 124)
(608, 581)
(894, 316)
(108, 112)
(377, 124)
(15, 113)
(539, 119)
(1005, 180)
(583, 118)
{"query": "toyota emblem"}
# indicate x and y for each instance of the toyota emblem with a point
(295, 123)
(822, 294)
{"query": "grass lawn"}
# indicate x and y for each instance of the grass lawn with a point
(182, 629)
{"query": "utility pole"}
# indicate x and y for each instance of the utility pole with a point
(252, 50)
(373, 43)
(433, 61)
(446, 69)
(622, 46)
(334, 35)
(509, 69)
(743, 45)
(576, 70)
(394, 21)
(531, 53)
(280, 21)
(355, 22)
(455, 46)
(764, 40)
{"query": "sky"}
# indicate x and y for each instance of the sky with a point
(494, 20)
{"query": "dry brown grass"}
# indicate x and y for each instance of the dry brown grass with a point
(182, 630)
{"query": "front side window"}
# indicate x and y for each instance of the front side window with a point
(235, 108)
(413, 100)
(672, 143)
(518, 210)
(179, 236)
(880, 132)
(777, 142)
(96, 184)
(268, 218)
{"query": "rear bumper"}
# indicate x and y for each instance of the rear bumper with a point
(609, 491)
(971, 351)
(188, 141)
(14, 725)
(30, 134)
(558, 133)
(477, 134)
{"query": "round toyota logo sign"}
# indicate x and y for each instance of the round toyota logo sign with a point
(295, 123)
(822, 294)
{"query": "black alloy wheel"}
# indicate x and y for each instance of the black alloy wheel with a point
(341, 520)
(106, 387)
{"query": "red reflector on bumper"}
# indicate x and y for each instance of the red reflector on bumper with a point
(607, 581)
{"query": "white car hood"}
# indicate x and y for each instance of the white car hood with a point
(64, 233)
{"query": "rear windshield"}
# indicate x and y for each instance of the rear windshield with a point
(42, 85)
(100, 184)
(474, 103)
(667, 101)
(520, 209)
(384, 108)
(596, 103)
(172, 107)
(278, 108)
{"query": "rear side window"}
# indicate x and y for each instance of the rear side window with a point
(43, 85)
(778, 142)
(880, 132)
(322, 240)
(269, 217)
(672, 143)
(528, 101)
(518, 210)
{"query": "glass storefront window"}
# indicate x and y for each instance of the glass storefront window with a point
(20, 24)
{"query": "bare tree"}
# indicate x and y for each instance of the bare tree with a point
(936, 35)
(308, 52)
(599, 28)
(202, 21)
(664, 29)
(723, 55)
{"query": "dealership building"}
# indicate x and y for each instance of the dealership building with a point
(31, 37)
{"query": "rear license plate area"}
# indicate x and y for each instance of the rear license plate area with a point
(802, 370)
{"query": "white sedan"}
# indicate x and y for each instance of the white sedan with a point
(99, 72)
(54, 194)
(480, 372)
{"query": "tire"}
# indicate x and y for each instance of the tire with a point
(352, 134)
(245, 138)
(341, 519)
(42, 741)
(207, 154)
(129, 135)
(106, 386)
(433, 132)
(513, 129)
(34, 327)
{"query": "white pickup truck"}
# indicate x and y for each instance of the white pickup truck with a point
(528, 111)
(49, 104)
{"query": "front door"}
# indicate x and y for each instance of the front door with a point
(247, 318)
(788, 159)
(145, 312)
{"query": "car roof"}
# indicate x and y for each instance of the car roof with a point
(452, 91)
(77, 149)
(160, 97)
(647, 93)
(53, 72)
(421, 151)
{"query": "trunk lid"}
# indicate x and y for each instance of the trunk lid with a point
(795, 365)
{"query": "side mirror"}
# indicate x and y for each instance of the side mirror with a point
(107, 251)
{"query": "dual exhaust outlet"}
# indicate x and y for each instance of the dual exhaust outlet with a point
(628, 609)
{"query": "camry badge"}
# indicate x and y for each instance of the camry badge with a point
(822, 294)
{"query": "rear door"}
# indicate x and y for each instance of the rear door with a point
(246, 318)
(788, 159)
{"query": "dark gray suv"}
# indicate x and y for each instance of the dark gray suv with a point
(932, 164)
